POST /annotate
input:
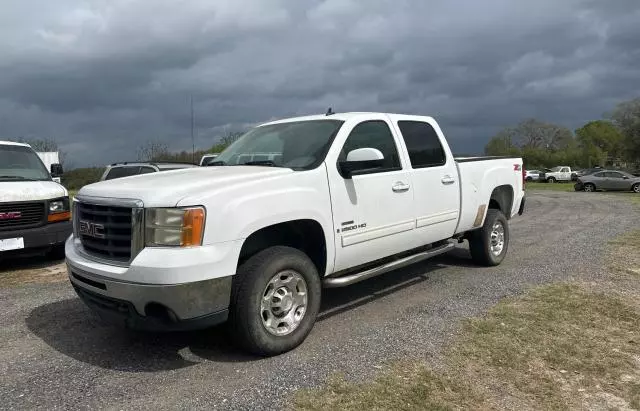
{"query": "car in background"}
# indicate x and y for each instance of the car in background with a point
(608, 180)
(533, 175)
(560, 173)
(579, 173)
(127, 169)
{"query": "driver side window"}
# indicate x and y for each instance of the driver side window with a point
(373, 134)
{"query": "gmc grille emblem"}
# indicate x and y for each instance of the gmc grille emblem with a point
(10, 215)
(91, 229)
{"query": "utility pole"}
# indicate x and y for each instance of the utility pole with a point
(193, 142)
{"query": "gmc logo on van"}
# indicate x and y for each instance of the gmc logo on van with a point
(10, 215)
(91, 229)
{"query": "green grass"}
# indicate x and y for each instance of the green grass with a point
(532, 185)
(560, 346)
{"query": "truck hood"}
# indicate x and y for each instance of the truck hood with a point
(11, 191)
(168, 188)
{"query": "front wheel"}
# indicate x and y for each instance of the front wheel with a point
(589, 188)
(636, 188)
(551, 180)
(275, 300)
(489, 244)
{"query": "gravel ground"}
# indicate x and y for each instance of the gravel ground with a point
(57, 355)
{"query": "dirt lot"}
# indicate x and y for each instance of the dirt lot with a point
(56, 354)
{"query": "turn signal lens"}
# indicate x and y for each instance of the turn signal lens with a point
(193, 227)
(63, 216)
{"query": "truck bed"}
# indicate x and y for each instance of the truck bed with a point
(478, 178)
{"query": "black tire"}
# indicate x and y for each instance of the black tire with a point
(551, 180)
(636, 188)
(589, 188)
(529, 178)
(245, 315)
(56, 252)
(480, 240)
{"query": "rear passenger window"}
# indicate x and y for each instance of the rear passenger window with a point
(373, 134)
(422, 143)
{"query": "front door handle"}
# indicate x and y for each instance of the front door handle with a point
(400, 187)
(448, 180)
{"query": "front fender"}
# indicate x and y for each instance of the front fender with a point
(302, 195)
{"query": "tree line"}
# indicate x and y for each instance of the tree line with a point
(613, 141)
(76, 178)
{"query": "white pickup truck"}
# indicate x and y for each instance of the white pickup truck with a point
(351, 196)
(560, 173)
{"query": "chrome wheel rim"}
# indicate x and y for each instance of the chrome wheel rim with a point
(283, 303)
(588, 188)
(497, 238)
(636, 188)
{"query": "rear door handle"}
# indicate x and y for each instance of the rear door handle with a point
(448, 180)
(400, 187)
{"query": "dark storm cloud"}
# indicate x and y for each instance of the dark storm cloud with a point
(102, 77)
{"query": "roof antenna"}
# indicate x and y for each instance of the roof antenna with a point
(329, 112)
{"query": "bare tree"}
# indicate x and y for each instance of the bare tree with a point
(153, 151)
(45, 145)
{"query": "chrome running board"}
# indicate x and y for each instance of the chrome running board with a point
(343, 281)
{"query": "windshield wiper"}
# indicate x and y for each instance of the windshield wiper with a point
(259, 163)
(18, 178)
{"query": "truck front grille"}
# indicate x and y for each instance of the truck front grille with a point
(106, 231)
(15, 216)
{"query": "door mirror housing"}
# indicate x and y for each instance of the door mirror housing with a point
(56, 170)
(361, 161)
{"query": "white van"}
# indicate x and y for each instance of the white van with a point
(35, 215)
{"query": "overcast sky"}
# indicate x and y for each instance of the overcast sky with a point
(104, 76)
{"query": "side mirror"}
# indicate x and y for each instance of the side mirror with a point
(625, 177)
(361, 161)
(56, 170)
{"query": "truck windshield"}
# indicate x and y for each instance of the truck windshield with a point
(20, 163)
(299, 145)
(556, 169)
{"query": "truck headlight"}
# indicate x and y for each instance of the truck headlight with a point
(59, 210)
(176, 227)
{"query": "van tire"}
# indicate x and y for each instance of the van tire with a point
(480, 241)
(254, 279)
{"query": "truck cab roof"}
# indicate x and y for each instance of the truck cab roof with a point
(13, 143)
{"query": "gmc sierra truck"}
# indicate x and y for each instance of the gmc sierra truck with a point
(348, 197)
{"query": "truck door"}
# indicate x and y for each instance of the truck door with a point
(435, 177)
(565, 174)
(372, 212)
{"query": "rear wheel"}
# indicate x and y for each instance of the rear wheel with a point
(589, 188)
(489, 244)
(275, 301)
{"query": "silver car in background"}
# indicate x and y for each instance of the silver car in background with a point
(609, 180)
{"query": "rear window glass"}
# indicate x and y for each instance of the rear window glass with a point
(422, 143)
(118, 172)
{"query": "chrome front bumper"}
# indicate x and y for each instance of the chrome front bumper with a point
(154, 307)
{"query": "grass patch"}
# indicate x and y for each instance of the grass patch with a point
(560, 346)
(532, 185)
(623, 257)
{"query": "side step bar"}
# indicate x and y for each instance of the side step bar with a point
(343, 281)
